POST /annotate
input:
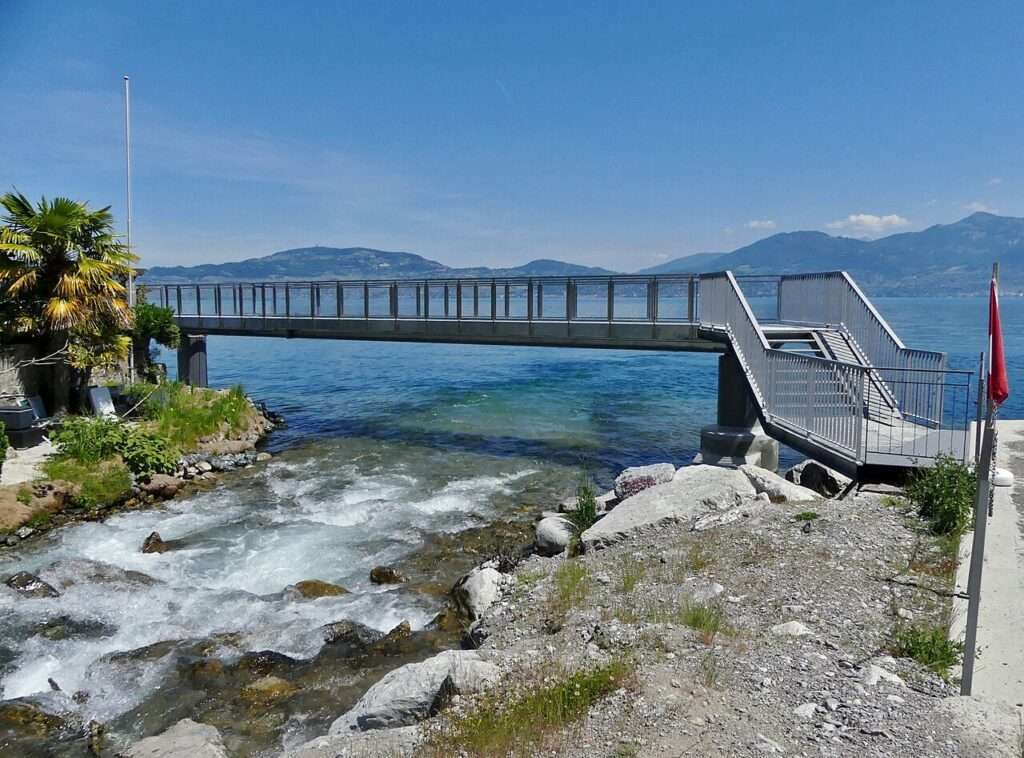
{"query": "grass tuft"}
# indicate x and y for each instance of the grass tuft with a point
(571, 586)
(529, 720)
(806, 516)
(100, 484)
(928, 645)
(631, 572)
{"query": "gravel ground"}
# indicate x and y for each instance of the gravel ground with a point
(755, 687)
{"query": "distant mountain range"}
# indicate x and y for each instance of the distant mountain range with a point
(946, 259)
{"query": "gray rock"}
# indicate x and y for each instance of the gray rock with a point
(186, 739)
(638, 478)
(409, 694)
(693, 491)
(874, 674)
(476, 591)
(24, 533)
(400, 742)
(806, 711)
(553, 535)
(778, 489)
(817, 477)
(791, 629)
(30, 585)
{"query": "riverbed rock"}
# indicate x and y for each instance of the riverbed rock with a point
(27, 716)
(70, 571)
(349, 635)
(818, 477)
(409, 694)
(311, 589)
(553, 535)
(638, 478)
(162, 486)
(693, 491)
(387, 575)
(778, 489)
(268, 689)
(605, 502)
(154, 544)
(474, 593)
(400, 742)
(186, 739)
(30, 585)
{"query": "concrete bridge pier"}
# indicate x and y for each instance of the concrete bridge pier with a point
(737, 438)
(192, 360)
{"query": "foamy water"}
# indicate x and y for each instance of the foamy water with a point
(329, 511)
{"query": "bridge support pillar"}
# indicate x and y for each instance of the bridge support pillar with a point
(192, 360)
(737, 438)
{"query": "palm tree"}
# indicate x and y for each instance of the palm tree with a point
(62, 269)
(62, 281)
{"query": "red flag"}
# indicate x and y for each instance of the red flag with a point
(998, 384)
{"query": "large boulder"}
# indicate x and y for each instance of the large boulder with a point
(417, 690)
(638, 478)
(777, 488)
(186, 739)
(693, 491)
(474, 593)
(400, 742)
(553, 535)
(817, 477)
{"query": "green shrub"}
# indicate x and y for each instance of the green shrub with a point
(806, 516)
(87, 440)
(928, 645)
(100, 483)
(146, 453)
(944, 495)
(156, 323)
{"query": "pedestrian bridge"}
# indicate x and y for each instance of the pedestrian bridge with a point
(807, 355)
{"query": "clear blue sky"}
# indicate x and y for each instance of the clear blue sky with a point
(494, 133)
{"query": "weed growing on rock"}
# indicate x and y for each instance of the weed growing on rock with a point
(806, 516)
(928, 645)
(97, 485)
(530, 719)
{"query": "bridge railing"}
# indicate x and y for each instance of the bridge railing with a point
(664, 298)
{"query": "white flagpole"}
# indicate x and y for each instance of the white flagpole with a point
(128, 203)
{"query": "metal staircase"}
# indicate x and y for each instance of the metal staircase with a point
(832, 379)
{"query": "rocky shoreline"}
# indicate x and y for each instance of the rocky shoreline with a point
(796, 658)
(754, 613)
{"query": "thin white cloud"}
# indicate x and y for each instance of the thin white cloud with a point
(995, 180)
(976, 206)
(761, 224)
(868, 223)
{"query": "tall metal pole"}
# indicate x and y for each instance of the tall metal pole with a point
(981, 513)
(128, 204)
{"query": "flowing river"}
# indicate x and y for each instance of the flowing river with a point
(397, 454)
